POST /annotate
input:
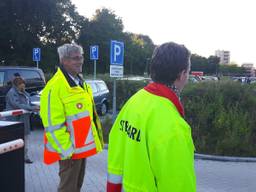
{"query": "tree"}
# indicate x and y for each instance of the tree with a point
(233, 70)
(213, 65)
(103, 27)
(43, 23)
(139, 49)
(208, 65)
(198, 63)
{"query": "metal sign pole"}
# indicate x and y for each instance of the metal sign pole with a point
(114, 101)
(94, 76)
(37, 64)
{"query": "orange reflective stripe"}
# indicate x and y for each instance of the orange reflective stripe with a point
(50, 157)
(81, 130)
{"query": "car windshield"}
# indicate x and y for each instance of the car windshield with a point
(102, 86)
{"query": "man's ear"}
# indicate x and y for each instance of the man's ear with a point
(182, 75)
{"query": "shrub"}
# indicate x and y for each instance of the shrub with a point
(222, 117)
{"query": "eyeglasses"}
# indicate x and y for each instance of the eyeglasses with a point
(77, 58)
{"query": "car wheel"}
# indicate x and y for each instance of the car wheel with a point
(103, 109)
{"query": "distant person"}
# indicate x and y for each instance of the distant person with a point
(18, 98)
(248, 80)
(72, 127)
(150, 144)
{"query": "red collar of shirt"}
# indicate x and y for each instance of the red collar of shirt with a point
(164, 91)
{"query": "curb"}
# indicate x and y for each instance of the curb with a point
(217, 157)
(224, 158)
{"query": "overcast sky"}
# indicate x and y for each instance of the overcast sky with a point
(202, 25)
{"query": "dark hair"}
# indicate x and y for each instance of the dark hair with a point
(18, 80)
(168, 61)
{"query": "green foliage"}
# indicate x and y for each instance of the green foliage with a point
(208, 65)
(106, 26)
(139, 49)
(44, 23)
(222, 117)
(50, 23)
(125, 89)
(232, 70)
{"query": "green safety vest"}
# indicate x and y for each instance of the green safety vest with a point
(150, 147)
(72, 126)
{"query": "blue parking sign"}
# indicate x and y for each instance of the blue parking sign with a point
(36, 54)
(116, 53)
(94, 52)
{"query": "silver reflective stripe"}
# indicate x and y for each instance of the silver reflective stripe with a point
(115, 179)
(55, 127)
(49, 108)
(71, 131)
(67, 152)
(70, 127)
(77, 116)
(63, 152)
(49, 147)
(86, 148)
(90, 137)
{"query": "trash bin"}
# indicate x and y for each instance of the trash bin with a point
(12, 177)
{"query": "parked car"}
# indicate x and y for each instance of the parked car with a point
(193, 79)
(34, 78)
(209, 78)
(100, 95)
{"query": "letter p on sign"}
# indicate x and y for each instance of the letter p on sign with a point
(117, 53)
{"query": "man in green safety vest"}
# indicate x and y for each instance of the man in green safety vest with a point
(150, 143)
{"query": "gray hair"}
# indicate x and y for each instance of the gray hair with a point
(66, 50)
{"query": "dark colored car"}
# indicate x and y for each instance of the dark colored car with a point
(100, 95)
(34, 78)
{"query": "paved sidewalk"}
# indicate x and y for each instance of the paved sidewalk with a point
(42, 178)
(212, 176)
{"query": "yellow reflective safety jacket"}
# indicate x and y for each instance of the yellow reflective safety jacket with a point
(72, 126)
(150, 145)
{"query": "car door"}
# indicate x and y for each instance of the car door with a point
(103, 90)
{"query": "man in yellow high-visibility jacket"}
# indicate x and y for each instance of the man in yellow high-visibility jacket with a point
(72, 127)
(150, 143)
